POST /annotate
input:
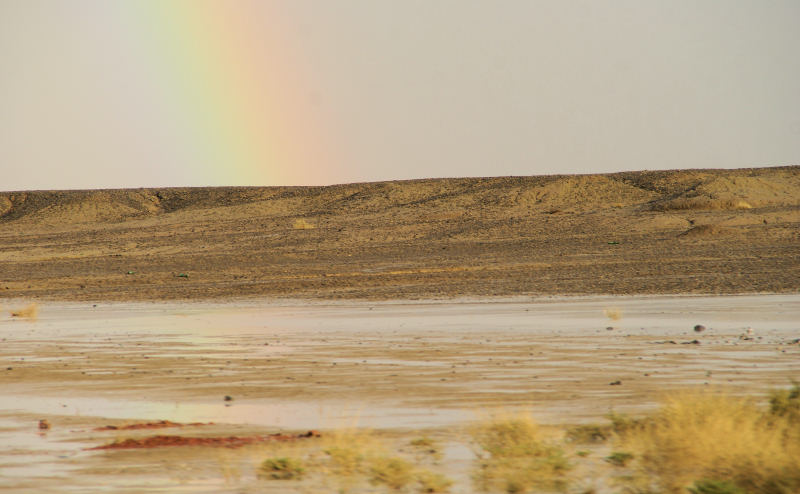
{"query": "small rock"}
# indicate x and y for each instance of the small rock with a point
(44, 424)
(610, 328)
(228, 398)
(699, 328)
(615, 383)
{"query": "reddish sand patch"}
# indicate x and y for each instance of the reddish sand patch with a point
(149, 425)
(228, 442)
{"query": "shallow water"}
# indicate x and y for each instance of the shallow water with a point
(402, 366)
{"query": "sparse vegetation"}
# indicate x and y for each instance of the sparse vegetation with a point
(715, 487)
(622, 424)
(346, 460)
(619, 458)
(786, 403)
(423, 442)
(391, 471)
(516, 459)
(433, 482)
(425, 445)
(588, 434)
(357, 455)
(282, 469)
(714, 436)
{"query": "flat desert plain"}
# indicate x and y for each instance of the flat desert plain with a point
(186, 340)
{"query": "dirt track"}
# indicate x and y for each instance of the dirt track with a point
(692, 231)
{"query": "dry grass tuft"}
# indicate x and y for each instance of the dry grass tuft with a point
(390, 471)
(623, 424)
(29, 312)
(348, 450)
(433, 482)
(423, 442)
(515, 458)
(715, 487)
(357, 455)
(786, 403)
(589, 434)
(713, 437)
(282, 469)
(613, 313)
(303, 224)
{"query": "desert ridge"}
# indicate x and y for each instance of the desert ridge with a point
(681, 231)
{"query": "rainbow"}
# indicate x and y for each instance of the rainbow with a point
(229, 76)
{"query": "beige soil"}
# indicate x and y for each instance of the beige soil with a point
(691, 231)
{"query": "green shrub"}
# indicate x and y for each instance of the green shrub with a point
(715, 487)
(282, 468)
(619, 458)
(786, 403)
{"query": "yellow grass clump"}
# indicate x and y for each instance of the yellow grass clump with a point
(613, 313)
(283, 468)
(354, 455)
(303, 224)
(514, 458)
(348, 450)
(391, 471)
(432, 482)
(29, 312)
(702, 439)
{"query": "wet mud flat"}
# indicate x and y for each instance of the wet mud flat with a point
(404, 369)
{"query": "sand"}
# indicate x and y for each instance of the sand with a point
(710, 231)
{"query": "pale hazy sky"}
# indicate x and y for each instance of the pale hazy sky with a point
(114, 93)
